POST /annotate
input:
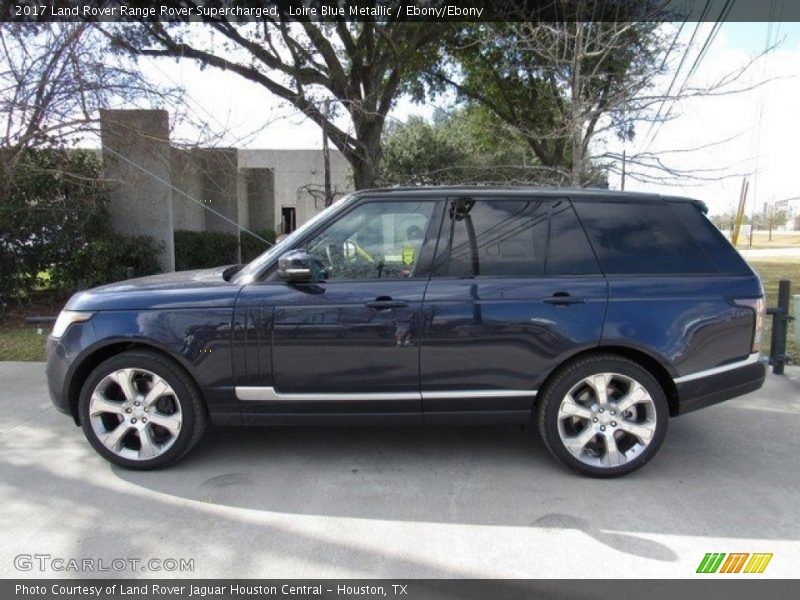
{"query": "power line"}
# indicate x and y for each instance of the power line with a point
(701, 55)
(677, 71)
(769, 42)
(726, 9)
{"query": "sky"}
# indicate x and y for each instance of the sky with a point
(763, 124)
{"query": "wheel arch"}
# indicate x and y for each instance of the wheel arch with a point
(99, 354)
(646, 360)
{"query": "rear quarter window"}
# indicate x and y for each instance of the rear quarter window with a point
(722, 254)
(644, 238)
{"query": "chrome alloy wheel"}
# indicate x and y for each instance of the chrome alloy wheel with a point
(135, 414)
(607, 420)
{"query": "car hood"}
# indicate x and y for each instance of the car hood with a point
(183, 289)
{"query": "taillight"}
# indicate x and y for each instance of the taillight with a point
(759, 307)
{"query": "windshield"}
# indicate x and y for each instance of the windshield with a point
(253, 269)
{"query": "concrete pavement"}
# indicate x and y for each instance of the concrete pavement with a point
(448, 502)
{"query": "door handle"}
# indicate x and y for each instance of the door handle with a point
(384, 303)
(563, 299)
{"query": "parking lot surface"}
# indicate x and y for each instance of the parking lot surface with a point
(446, 502)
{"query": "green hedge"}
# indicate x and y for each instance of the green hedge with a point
(55, 229)
(105, 260)
(206, 249)
(252, 247)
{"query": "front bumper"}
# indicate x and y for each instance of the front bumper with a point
(61, 363)
(698, 392)
(56, 370)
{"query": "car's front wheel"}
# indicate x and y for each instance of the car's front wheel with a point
(140, 410)
(603, 415)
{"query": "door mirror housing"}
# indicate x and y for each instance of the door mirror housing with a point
(298, 266)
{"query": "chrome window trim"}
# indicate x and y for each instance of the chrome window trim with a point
(752, 359)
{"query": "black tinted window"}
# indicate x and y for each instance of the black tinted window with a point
(641, 238)
(722, 254)
(569, 252)
(494, 238)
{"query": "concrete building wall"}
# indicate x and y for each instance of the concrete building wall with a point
(219, 173)
(186, 177)
(258, 196)
(299, 179)
(137, 163)
(156, 189)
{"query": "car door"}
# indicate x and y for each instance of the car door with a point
(515, 289)
(349, 343)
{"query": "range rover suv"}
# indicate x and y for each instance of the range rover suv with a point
(593, 316)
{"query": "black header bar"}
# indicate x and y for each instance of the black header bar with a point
(399, 10)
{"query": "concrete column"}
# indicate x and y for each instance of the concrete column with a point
(259, 189)
(219, 172)
(187, 181)
(136, 163)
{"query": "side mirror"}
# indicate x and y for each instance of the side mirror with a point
(298, 266)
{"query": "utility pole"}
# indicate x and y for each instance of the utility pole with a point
(624, 158)
(326, 156)
(737, 224)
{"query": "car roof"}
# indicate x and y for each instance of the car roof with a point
(486, 190)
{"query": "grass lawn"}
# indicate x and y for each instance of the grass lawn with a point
(782, 239)
(771, 271)
(18, 339)
(22, 343)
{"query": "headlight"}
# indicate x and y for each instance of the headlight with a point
(67, 318)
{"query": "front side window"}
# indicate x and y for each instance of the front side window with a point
(373, 241)
(494, 238)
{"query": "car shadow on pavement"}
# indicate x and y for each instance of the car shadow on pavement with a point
(714, 477)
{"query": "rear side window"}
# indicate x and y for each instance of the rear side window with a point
(643, 238)
(569, 252)
(719, 250)
(494, 238)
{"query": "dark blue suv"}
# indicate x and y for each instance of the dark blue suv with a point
(595, 315)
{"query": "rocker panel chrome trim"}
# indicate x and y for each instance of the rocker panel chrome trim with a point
(270, 394)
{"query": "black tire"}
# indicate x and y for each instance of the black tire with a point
(194, 419)
(571, 375)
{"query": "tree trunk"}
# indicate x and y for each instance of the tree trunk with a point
(326, 157)
(577, 123)
(364, 174)
(365, 161)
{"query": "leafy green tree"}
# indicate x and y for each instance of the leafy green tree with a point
(323, 69)
(560, 85)
(469, 145)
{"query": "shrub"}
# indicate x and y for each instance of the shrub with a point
(252, 247)
(207, 249)
(204, 249)
(106, 260)
(54, 221)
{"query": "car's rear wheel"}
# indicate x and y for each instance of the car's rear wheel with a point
(140, 410)
(603, 415)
